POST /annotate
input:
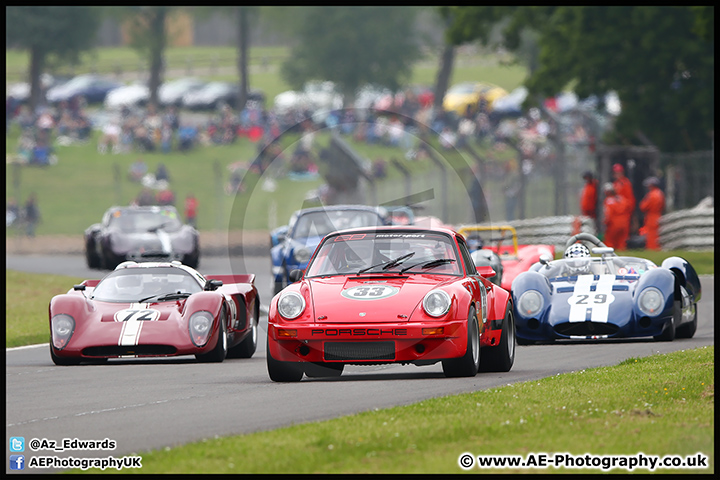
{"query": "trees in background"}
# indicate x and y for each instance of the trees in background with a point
(353, 46)
(50, 33)
(660, 61)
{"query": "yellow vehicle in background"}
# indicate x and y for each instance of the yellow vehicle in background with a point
(468, 94)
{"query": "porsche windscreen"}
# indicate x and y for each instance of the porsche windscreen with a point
(128, 221)
(319, 224)
(396, 252)
(597, 266)
(133, 285)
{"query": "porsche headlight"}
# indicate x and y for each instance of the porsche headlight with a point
(650, 302)
(200, 326)
(62, 327)
(291, 305)
(436, 303)
(531, 303)
(302, 255)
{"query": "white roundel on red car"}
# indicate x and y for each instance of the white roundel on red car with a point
(137, 315)
(370, 292)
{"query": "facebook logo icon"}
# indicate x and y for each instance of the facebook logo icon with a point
(17, 444)
(17, 462)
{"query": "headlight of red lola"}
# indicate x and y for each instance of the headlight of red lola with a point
(200, 327)
(62, 327)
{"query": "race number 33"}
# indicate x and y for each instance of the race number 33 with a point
(370, 292)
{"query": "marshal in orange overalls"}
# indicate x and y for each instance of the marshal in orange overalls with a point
(652, 206)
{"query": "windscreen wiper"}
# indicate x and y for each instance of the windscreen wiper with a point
(167, 296)
(430, 264)
(389, 264)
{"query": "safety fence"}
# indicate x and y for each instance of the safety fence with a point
(690, 229)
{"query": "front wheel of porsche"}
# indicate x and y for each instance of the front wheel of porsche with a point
(323, 369)
(283, 371)
(469, 364)
(501, 357)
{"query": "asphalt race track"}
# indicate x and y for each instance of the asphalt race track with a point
(150, 404)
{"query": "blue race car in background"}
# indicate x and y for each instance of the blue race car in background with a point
(292, 245)
(584, 297)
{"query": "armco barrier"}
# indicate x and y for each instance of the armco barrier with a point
(548, 230)
(690, 229)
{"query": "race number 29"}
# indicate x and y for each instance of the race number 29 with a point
(596, 299)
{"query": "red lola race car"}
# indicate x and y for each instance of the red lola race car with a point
(515, 258)
(396, 294)
(155, 310)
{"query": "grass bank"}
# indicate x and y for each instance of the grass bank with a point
(657, 405)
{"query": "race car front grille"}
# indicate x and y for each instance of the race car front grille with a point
(586, 328)
(359, 350)
(118, 350)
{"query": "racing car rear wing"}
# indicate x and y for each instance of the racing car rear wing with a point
(464, 231)
(228, 279)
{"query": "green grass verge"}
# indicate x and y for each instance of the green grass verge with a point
(27, 296)
(657, 405)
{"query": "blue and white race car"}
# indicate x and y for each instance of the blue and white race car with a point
(292, 245)
(585, 297)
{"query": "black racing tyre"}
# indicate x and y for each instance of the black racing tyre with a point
(323, 369)
(91, 257)
(246, 348)
(688, 330)
(469, 364)
(522, 341)
(217, 354)
(668, 333)
(501, 357)
(62, 361)
(283, 371)
(192, 260)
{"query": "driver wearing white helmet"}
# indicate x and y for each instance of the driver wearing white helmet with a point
(578, 259)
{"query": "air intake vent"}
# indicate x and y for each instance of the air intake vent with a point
(586, 328)
(119, 350)
(359, 350)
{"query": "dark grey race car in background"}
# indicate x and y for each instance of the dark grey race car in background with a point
(141, 234)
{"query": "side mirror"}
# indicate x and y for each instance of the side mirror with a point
(212, 285)
(295, 275)
(545, 259)
(486, 271)
(79, 288)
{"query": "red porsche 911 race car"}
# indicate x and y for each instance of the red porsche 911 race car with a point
(396, 294)
(155, 310)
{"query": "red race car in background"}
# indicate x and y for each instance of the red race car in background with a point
(155, 310)
(514, 258)
(396, 294)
